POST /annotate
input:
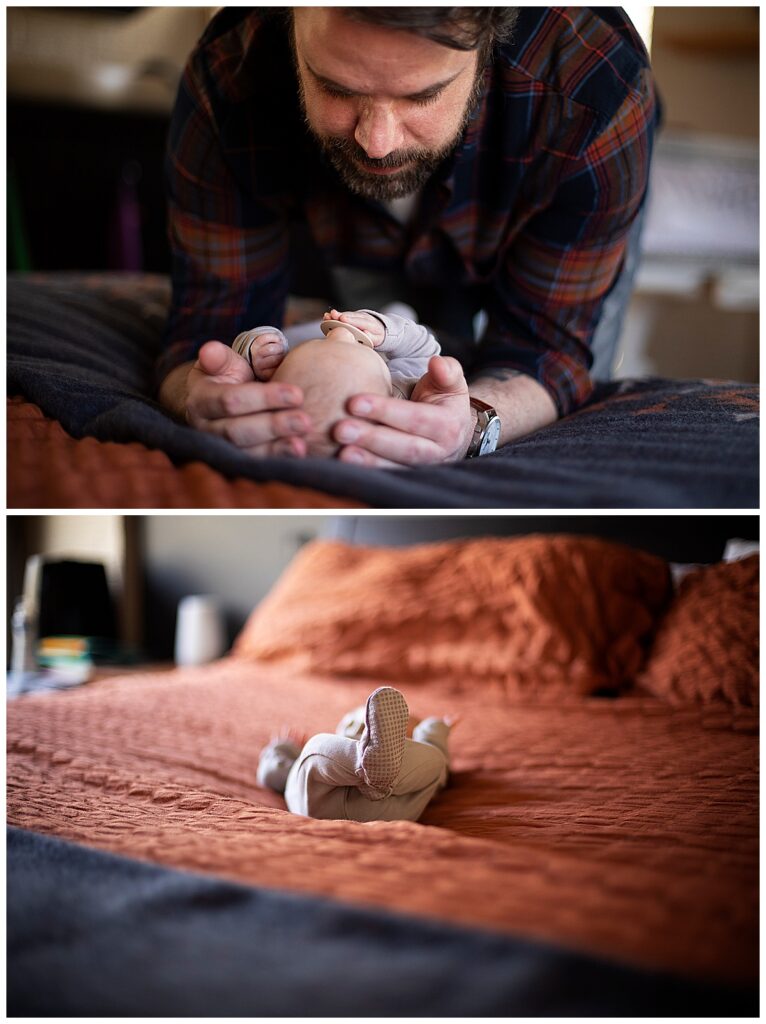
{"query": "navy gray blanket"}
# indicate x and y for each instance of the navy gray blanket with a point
(93, 934)
(83, 349)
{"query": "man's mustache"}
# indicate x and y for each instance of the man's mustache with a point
(353, 151)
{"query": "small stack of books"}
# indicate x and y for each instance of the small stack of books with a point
(70, 656)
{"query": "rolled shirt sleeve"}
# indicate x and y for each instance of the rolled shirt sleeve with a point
(548, 294)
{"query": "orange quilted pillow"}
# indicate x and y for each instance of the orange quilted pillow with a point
(706, 647)
(537, 614)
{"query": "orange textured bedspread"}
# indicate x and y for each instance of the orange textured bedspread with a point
(622, 827)
(47, 468)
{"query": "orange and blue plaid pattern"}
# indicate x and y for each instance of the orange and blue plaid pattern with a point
(533, 209)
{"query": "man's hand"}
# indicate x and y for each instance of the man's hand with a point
(218, 394)
(435, 425)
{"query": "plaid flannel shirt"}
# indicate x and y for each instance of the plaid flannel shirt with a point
(534, 206)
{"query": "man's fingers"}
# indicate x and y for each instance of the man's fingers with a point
(446, 373)
(218, 360)
(213, 400)
(361, 457)
(396, 446)
(282, 448)
(444, 378)
(260, 428)
(254, 416)
(289, 447)
(411, 417)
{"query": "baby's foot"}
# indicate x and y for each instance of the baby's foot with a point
(381, 747)
(263, 351)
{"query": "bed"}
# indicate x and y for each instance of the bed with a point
(595, 851)
(85, 431)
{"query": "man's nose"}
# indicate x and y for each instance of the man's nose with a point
(378, 130)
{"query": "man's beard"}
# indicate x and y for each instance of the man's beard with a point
(346, 156)
(417, 165)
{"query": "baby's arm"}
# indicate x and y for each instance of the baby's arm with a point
(365, 320)
(264, 348)
(407, 346)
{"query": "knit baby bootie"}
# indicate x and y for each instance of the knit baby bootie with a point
(381, 747)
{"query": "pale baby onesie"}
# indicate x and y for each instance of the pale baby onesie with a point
(382, 776)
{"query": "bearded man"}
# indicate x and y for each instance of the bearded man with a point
(487, 166)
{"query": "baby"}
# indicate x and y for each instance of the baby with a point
(369, 770)
(363, 351)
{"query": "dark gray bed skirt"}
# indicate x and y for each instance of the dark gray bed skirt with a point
(93, 934)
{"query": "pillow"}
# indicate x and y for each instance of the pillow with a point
(537, 614)
(706, 647)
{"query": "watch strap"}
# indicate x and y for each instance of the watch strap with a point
(485, 413)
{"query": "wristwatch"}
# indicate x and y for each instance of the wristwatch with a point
(486, 433)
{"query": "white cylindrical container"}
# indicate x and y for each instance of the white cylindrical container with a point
(200, 632)
(23, 643)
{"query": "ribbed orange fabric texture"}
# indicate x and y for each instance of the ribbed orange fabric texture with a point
(620, 826)
(706, 647)
(541, 615)
(47, 468)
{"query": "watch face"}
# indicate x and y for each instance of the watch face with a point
(491, 437)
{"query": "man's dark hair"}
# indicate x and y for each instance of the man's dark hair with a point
(460, 28)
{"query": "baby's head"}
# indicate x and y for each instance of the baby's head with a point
(330, 371)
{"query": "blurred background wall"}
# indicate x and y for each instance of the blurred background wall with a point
(235, 558)
(90, 92)
(154, 561)
(695, 311)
